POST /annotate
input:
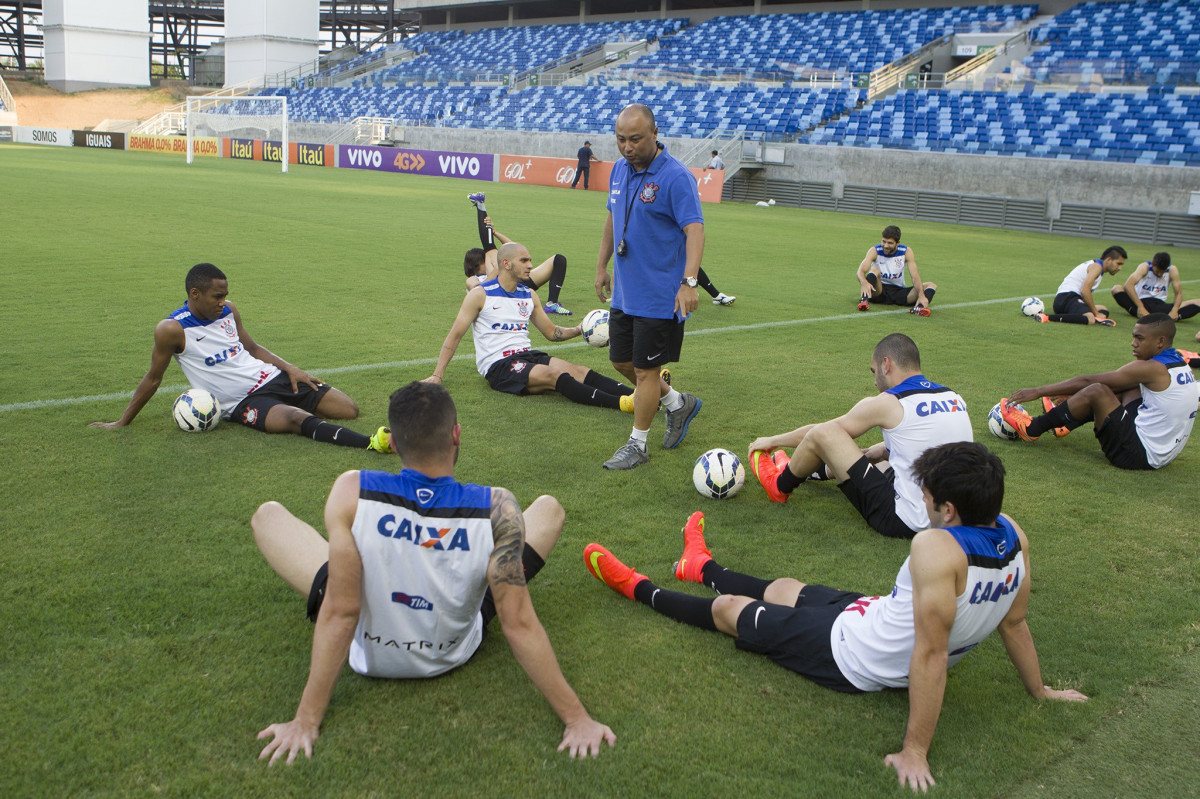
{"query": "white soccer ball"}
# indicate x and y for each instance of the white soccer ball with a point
(999, 427)
(718, 474)
(595, 327)
(1032, 306)
(196, 411)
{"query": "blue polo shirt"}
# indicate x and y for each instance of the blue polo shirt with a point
(650, 209)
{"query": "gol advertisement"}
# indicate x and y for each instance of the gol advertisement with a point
(540, 171)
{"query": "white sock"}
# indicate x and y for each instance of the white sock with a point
(673, 400)
(639, 437)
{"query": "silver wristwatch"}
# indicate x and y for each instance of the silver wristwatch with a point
(690, 282)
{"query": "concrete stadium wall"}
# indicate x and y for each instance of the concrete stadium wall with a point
(1098, 200)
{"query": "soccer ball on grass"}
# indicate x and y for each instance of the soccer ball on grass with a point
(718, 474)
(999, 427)
(595, 327)
(196, 411)
(1032, 306)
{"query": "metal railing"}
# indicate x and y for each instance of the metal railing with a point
(983, 59)
(168, 119)
(6, 98)
(889, 77)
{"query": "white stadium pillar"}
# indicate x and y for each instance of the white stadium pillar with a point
(266, 37)
(92, 45)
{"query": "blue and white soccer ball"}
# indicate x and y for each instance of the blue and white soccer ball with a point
(999, 427)
(196, 411)
(595, 327)
(1032, 306)
(718, 474)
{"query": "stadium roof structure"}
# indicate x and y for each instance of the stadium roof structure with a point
(181, 30)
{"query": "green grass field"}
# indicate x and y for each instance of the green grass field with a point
(148, 642)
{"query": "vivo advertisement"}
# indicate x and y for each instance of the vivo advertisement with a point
(476, 166)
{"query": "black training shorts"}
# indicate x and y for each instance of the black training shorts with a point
(252, 411)
(798, 638)
(644, 341)
(1118, 438)
(873, 493)
(511, 375)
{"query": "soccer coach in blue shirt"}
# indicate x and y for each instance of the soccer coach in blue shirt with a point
(655, 230)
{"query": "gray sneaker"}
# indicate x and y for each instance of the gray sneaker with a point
(629, 456)
(678, 421)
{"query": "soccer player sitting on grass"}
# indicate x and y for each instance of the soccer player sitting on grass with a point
(418, 557)
(253, 385)
(1074, 302)
(482, 264)
(1142, 413)
(1146, 290)
(881, 276)
(499, 312)
(964, 577)
(914, 415)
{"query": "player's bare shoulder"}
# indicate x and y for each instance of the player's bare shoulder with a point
(508, 534)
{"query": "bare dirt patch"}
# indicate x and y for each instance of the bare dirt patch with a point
(41, 106)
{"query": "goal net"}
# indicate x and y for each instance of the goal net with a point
(261, 118)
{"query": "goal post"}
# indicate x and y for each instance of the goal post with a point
(262, 117)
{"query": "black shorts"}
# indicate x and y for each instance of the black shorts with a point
(873, 493)
(1070, 302)
(1118, 438)
(252, 411)
(892, 295)
(644, 341)
(531, 563)
(511, 375)
(798, 638)
(1152, 305)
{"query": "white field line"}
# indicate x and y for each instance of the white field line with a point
(367, 367)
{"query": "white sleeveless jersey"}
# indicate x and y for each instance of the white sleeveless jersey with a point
(425, 545)
(214, 359)
(873, 638)
(1165, 418)
(502, 327)
(933, 415)
(1153, 286)
(1073, 282)
(891, 267)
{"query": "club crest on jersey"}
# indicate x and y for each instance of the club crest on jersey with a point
(227, 326)
(425, 495)
(523, 307)
(250, 416)
(414, 602)
(649, 193)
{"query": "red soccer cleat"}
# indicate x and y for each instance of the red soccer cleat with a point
(695, 552)
(605, 567)
(767, 470)
(1017, 418)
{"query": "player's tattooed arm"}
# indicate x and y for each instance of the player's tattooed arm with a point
(508, 532)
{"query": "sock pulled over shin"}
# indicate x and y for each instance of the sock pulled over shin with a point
(320, 430)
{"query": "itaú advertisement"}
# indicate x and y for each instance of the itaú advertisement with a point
(538, 171)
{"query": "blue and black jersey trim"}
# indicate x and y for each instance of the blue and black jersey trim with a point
(917, 384)
(186, 318)
(442, 512)
(982, 545)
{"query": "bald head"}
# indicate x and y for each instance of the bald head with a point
(509, 252)
(637, 136)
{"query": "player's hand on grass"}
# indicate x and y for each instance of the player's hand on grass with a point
(912, 769)
(107, 425)
(290, 739)
(1067, 695)
(583, 738)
